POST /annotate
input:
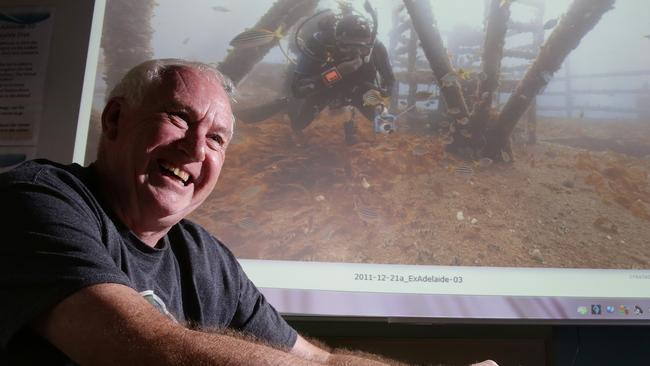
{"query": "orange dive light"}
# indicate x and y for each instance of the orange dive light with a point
(331, 76)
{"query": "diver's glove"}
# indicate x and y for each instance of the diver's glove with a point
(348, 67)
(381, 110)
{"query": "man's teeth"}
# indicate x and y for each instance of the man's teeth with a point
(184, 176)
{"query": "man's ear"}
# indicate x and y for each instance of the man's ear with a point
(111, 117)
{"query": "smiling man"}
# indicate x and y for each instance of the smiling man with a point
(161, 152)
(87, 251)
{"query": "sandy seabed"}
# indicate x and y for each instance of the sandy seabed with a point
(400, 199)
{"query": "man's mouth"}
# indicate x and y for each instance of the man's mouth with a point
(176, 173)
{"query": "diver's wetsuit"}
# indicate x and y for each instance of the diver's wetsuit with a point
(320, 55)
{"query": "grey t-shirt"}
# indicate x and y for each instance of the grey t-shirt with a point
(58, 238)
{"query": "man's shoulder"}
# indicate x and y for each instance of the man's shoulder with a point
(195, 235)
(39, 170)
(191, 243)
(42, 185)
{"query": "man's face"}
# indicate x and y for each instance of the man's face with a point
(356, 47)
(169, 150)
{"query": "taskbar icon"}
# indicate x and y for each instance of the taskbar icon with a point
(596, 309)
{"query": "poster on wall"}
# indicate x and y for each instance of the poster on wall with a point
(25, 35)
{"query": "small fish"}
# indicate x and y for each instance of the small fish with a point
(484, 162)
(465, 171)
(186, 40)
(550, 24)
(485, 96)
(464, 74)
(367, 213)
(255, 38)
(220, 9)
(402, 102)
(463, 121)
(466, 134)
(505, 156)
(453, 110)
(482, 76)
(423, 95)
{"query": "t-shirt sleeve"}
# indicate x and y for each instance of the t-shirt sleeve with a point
(51, 247)
(256, 316)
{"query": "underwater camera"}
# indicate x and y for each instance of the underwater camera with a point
(385, 123)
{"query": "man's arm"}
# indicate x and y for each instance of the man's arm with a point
(309, 351)
(109, 324)
(112, 324)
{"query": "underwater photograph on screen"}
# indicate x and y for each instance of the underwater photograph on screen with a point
(507, 133)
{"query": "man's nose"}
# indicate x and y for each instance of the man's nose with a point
(193, 145)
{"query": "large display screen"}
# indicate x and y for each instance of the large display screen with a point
(358, 217)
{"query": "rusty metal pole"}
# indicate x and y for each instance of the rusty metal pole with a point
(495, 34)
(434, 50)
(581, 17)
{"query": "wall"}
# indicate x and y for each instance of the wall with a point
(69, 78)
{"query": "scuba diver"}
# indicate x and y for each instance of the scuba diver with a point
(341, 64)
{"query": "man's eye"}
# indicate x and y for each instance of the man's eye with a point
(178, 119)
(218, 139)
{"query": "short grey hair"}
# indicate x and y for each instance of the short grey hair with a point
(137, 81)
